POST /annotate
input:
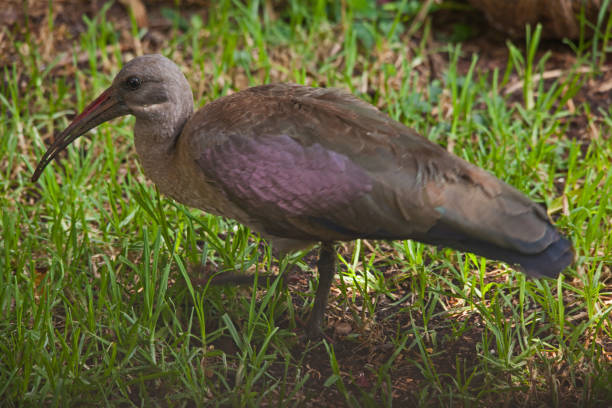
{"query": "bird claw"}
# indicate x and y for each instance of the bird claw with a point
(201, 276)
(316, 335)
(312, 331)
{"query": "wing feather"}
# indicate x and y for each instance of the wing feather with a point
(320, 164)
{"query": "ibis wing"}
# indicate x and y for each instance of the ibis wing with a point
(319, 164)
(282, 184)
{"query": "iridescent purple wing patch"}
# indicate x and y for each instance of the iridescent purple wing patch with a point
(279, 174)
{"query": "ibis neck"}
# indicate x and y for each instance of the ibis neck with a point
(156, 144)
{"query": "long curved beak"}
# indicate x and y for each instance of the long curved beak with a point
(106, 107)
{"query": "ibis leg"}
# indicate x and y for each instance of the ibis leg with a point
(327, 269)
(201, 277)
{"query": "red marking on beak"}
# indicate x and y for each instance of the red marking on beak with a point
(105, 107)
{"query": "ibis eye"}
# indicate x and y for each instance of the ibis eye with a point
(133, 83)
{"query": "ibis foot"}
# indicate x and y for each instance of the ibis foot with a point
(326, 266)
(201, 276)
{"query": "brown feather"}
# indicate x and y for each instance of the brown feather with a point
(416, 184)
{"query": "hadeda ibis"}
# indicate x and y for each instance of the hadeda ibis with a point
(302, 165)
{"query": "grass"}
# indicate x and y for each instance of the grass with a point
(101, 304)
